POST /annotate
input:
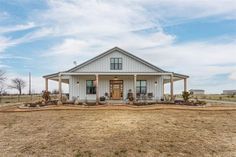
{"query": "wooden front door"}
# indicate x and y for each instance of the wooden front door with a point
(116, 89)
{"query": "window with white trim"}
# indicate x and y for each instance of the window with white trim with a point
(90, 86)
(141, 86)
(116, 64)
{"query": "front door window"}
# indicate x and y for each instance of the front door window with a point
(116, 89)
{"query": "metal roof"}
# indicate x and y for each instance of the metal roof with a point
(159, 70)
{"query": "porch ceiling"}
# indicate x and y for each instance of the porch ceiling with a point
(167, 80)
(63, 80)
(65, 76)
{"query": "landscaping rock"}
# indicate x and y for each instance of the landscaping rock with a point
(59, 103)
(76, 102)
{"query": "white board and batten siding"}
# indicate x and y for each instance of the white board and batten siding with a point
(79, 89)
(128, 65)
(77, 84)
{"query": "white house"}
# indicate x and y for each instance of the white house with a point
(114, 74)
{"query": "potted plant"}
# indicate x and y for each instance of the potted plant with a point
(102, 98)
(130, 96)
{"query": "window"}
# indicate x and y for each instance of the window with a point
(116, 63)
(141, 86)
(90, 87)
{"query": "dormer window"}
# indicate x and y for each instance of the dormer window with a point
(116, 63)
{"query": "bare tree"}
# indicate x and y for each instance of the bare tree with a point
(18, 84)
(2, 76)
(2, 89)
(2, 81)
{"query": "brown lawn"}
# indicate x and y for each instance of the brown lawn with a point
(118, 133)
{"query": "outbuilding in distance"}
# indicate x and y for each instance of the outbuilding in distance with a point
(197, 91)
(229, 92)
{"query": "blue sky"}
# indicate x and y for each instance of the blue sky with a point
(194, 37)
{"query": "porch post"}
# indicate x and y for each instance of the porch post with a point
(46, 84)
(171, 87)
(97, 94)
(163, 87)
(135, 80)
(59, 89)
(185, 84)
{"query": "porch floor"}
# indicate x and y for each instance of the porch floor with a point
(122, 102)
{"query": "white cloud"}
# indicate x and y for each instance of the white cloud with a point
(95, 18)
(83, 47)
(7, 29)
(196, 53)
(199, 60)
(111, 18)
(14, 57)
(91, 27)
(232, 76)
(178, 11)
(68, 47)
(4, 43)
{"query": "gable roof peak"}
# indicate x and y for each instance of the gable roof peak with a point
(121, 51)
(115, 48)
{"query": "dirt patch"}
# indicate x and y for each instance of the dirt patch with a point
(118, 133)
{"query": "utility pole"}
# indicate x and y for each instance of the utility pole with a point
(29, 83)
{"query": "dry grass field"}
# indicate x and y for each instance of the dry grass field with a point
(219, 97)
(15, 98)
(4, 100)
(118, 133)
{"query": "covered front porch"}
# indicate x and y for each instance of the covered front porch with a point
(91, 87)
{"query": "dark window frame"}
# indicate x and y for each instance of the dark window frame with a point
(140, 88)
(90, 89)
(116, 63)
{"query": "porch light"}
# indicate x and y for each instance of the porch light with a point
(115, 78)
(155, 83)
(78, 82)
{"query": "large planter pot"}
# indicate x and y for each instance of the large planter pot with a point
(102, 98)
(130, 97)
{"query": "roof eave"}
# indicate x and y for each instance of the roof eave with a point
(51, 75)
(180, 75)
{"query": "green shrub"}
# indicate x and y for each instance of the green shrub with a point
(198, 102)
(46, 96)
(201, 103)
(186, 96)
